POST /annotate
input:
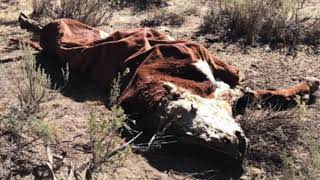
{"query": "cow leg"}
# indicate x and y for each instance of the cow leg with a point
(29, 24)
(279, 99)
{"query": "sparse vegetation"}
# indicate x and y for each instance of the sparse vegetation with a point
(270, 133)
(142, 4)
(263, 21)
(104, 141)
(93, 12)
(39, 127)
(31, 89)
(163, 18)
(115, 91)
(273, 137)
(23, 124)
(104, 136)
(31, 86)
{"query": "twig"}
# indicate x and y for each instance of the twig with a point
(71, 174)
(115, 151)
(50, 162)
(151, 141)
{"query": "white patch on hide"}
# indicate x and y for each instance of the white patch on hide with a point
(222, 89)
(203, 66)
(103, 34)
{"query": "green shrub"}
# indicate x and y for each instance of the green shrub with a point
(32, 83)
(277, 21)
(93, 12)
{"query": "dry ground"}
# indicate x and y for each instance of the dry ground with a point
(68, 113)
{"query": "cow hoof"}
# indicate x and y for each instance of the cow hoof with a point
(313, 82)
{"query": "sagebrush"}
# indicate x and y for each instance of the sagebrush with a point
(32, 84)
(163, 18)
(94, 12)
(263, 21)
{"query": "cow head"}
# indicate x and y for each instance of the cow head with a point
(203, 121)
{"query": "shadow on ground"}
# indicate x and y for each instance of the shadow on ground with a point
(75, 85)
(194, 162)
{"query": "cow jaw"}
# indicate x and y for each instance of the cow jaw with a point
(207, 122)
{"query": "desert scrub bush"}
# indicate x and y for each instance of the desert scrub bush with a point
(105, 142)
(142, 4)
(115, 90)
(30, 87)
(308, 136)
(264, 21)
(163, 17)
(32, 84)
(94, 12)
(39, 127)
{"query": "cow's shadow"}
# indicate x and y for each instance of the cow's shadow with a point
(194, 162)
(175, 159)
(73, 84)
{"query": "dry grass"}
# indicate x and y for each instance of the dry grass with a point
(163, 17)
(275, 136)
(95, 12)
(264, 21)
(142, 4)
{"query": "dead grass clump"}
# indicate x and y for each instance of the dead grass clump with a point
(263, 21)
(163, 18)
(270, 133)
(142, 4)
(93, 12)
(276, 136)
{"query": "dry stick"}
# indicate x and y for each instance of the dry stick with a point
(114, 152)
(50, 162)
(71, 172)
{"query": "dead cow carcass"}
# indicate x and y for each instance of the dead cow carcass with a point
(179, 82)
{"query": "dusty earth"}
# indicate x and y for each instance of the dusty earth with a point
(282, 147)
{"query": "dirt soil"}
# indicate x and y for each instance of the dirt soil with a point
(68, 112)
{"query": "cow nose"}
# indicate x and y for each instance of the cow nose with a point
(242, 143)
